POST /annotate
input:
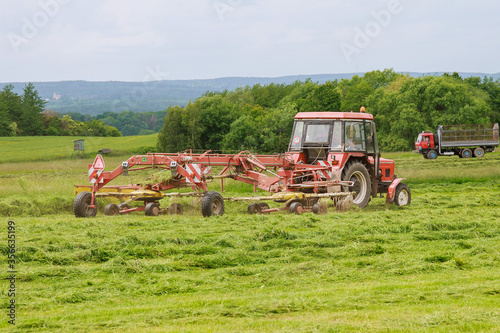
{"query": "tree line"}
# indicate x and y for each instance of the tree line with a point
(25, 115)
(260, 118)
(128, 122)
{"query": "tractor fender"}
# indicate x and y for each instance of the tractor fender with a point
(389, 199)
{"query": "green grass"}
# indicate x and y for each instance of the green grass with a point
(433, 266)
(47, 148)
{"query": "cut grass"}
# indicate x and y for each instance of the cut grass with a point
(432, 266)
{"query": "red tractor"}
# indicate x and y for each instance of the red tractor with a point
(331, 155)
(347, 142)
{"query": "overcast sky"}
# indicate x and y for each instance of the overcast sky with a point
(126, 40)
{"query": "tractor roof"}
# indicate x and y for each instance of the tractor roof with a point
(333, 115)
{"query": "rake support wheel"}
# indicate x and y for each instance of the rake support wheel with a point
(81, 205)
(111, 209)
(175, 209)
(212, 203)
(152, 209)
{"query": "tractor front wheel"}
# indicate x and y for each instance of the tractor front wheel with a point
(81, 205)
(402, 196)
(212, 203)
(357, 173)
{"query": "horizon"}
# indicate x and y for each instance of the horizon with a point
(257, 77)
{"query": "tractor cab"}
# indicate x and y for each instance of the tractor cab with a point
(322, 136)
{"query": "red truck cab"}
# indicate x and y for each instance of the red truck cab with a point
(425, 140)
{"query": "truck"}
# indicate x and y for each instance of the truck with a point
(331, 155)
(473, 140)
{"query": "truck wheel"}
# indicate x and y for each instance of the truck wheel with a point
(403, 195)
(432, 154)
(358, 173)
(478, 152)
(212, 203)
(466, 153)
(81, 205)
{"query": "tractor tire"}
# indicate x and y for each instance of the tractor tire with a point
(152, 209)
(296, 208)
(478, 152)
(402, 197)
(357, 172)
(212, 203)
(111, 209)
(424, 155)
(81, 205)
(175, 209)
(466, 153)
(432, 154)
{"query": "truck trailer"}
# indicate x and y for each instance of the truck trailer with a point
(462, 140)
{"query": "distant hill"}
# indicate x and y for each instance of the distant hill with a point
(98, 97)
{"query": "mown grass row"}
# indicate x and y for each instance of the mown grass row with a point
(426, 267)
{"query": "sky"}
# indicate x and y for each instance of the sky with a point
(147, 40)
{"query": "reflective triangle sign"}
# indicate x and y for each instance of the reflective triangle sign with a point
(98, 163)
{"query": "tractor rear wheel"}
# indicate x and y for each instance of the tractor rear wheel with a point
(357, 173)
(152, 209)
(402, 196)
(111, 209)
(82, 203)
(212, 203)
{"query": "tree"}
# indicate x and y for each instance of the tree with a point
(325, 97)
(172, 136)
(13, 103)
(5, 129)
(33, 105)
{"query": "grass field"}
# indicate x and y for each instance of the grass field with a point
(49, 148)
(433, 266)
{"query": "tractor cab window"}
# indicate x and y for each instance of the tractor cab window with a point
(317, 134)
(355, 136)
(420, 138)
(296, 141)
(337, 136)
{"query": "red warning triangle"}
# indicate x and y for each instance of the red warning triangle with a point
(98, 163)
